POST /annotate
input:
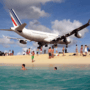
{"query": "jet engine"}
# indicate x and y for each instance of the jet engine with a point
(78, 35)
(23, 42)
(67, 40)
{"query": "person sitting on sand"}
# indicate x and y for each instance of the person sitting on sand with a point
(33, 56)
(50, 52)
(76, 50)
(23, 67)
(55, 68)
(63, 51)
(81, 50)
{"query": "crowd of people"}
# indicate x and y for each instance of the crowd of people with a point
(10, 53)
(51, 52)
(29, 51)
(84, 50)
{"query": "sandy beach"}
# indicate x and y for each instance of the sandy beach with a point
(42, 60)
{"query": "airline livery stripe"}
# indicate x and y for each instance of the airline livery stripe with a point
(13, 21)
(15, 17)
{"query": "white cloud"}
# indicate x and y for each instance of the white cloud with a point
(6, 42)
(19, 53)
(24, 49)
(66, 26)
(39, 12)
(29, 9)
(35, 25)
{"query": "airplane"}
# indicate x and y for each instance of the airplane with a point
(43, 38)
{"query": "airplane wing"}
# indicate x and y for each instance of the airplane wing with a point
(73, 31)
(16, 38)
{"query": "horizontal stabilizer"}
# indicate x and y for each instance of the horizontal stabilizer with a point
(6, 29)
(21, 27)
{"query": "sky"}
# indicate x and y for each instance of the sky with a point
(54, 16)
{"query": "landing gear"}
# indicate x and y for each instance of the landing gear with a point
(66, 45)
(55, 45)
(40, 45)
(46, 45)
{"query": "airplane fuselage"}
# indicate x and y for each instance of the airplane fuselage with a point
(39, 36)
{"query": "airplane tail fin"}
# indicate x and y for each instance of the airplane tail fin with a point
(15, 20)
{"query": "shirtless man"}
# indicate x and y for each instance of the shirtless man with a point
(50, 52)
(23, 67)
(81, 50)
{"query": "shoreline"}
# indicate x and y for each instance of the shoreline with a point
(43, 61)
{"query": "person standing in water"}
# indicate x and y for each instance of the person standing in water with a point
(23, 67)
(50, 52)
(55, 68)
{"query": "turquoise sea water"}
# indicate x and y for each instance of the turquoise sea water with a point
(12, 78)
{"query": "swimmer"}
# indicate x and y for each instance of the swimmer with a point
(23, 67)
(55, 68)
